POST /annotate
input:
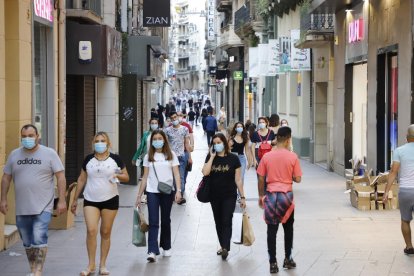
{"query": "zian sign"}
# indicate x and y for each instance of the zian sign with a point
(157, 13)
(43, 9)
(356, 30)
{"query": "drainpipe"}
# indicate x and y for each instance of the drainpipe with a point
(61, 79)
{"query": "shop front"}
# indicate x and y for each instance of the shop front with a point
(356, 84)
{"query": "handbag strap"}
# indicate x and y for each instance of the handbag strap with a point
(155, 171)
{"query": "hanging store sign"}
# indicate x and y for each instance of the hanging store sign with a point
(300, 58)
(254, 71)
(157, 13)
(238, 75)
(263, 59)
(43, 9)
(211, 11)
(274, 57)
(356, 30)
(284, 52)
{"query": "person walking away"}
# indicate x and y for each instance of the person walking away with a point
(33, 168)
(191, 117)
(239, 144)
(178, 104)
(197, 115)
(279, 167)
(260, 138)
(144, 145)
(204, 115)
(224, 171)
(154, 114)
(160, 164)
(101, 172)
(160, 112)
(210, 126)
(179, 139)
(222, 119)
(403, 162)
(274, 123)
(190, 102)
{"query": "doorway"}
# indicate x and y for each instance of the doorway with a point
(387, 107)
(321, 123)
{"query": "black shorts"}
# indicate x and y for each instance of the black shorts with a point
(110, 204)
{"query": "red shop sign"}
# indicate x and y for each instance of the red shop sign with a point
(43, 9)
(356, 30)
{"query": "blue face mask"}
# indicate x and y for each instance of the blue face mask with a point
(239, 130)
(175, 122)
(158, 144)
(28, 142)
(219, 147)
(100, 147)
(262, 125)
(154, 126)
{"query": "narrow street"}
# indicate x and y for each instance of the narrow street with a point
(331, 237)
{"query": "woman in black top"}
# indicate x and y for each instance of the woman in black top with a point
(239, 144)
(261, 136)
(225, 178)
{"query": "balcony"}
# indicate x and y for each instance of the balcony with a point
(223, 5)
(316, 30)
(87, 11)
(183, 71)
(246, 22)
(228, 38)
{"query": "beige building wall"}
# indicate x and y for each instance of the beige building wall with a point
(2, 107)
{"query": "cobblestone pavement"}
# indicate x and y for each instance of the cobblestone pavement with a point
(331, 237)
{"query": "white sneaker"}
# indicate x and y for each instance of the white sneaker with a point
(167, 253)
(151, 257)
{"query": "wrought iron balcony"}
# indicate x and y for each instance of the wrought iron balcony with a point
(246, 22)
(90, 10)
(316, 29)
(223, 5)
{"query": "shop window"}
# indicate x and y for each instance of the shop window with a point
(40, 81)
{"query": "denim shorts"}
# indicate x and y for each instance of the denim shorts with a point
(33, 229)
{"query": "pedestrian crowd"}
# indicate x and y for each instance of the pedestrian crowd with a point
(164, 158)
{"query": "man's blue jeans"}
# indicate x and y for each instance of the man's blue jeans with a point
(33, 229)
(155, 202)
(183, 164)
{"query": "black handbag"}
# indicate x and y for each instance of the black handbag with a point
(163, 187)
(203, 190)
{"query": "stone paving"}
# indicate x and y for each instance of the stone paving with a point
(331, 237)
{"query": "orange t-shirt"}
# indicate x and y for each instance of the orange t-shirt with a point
(279, 166)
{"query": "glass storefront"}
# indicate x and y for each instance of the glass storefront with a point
(40, 107)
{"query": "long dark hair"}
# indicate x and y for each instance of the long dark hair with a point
(244, 135)
(274, 120)
(223, 139)
(165, 149)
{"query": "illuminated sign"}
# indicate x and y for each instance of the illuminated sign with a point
(43, 9)
(356, 31)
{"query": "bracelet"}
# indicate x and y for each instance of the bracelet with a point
(242, 197)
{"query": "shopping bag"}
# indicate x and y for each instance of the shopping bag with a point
(143, 225)
(247, 232)
(138, 236)
(237, 224)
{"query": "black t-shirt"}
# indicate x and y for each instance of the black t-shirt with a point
(191, 115)
(223, 176)
(256, 138)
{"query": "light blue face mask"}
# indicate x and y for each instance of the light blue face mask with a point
(158, 144)
(239, 130)
(154, 126)
(100, 147)
(219, 147)
(262, 125)
(28, 142)
(175, 122)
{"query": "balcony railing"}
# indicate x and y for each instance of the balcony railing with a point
(246, 21)
(317, 22)
(223, 5)
(91, 5)
(242, 16)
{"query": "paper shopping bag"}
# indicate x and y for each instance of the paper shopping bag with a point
(248, 235)
(237, 224)
(138, 236)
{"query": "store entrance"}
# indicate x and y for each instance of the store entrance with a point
(387, 108)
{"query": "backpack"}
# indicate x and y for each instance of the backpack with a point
(264, 146)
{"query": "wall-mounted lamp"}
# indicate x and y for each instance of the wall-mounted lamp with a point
(273, 3)
(348, 8)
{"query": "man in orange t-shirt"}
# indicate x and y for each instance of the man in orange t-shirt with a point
(280, 168)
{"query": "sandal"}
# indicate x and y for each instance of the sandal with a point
(219, 251)
(103, 271)
(87, 272)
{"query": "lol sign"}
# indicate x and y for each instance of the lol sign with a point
(356, 30)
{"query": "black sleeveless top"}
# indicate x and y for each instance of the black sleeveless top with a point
(238, 147)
